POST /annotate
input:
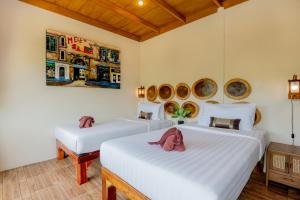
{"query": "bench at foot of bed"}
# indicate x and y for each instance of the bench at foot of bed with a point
(81, 162)
(111, 182)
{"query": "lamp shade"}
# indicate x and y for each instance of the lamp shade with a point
(294, 88)
(141, 92)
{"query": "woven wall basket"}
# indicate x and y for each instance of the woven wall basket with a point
(182, 91)
(237, 89)
(166, 92)
(204, 88)
(152, 93)
(258, 115)
(170, 107)
(212, 102)
(193, 107)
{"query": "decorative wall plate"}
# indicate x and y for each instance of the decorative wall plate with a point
(258, 115)
(193, 107)
(182, 91)
(166, 92)
(152, 93)
(204, 88)
(212, 102)
(237, 89)
(170, 107)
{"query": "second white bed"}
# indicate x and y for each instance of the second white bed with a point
(82, 141)
(215, 166)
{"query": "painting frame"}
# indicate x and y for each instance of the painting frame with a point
(73, 61)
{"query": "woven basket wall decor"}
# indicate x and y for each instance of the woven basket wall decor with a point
(204, 88)
(166, 92)
(182, 91)
(152, 93)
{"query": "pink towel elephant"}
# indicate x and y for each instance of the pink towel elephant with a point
(172, 139)
(86, 122)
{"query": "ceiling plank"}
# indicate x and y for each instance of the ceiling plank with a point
(189, 18)
(170, 10)
(217, 3)
(125, 13)
(77, 16)
(230, 3)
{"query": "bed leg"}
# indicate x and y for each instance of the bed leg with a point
(104, 188)
(109, 192)
(60, 154)
(81, 173)
(112, 193)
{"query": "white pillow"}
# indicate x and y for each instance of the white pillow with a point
(154, 108)
(244, 112)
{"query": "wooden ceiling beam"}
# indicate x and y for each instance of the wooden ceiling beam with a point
(125, 13)
(217, 3)
(77, 16)
(230, 3)
(170, 10)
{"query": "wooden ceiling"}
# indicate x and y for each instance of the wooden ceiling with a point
(127, 18)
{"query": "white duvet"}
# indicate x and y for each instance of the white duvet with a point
(90, 139)
(216, 165)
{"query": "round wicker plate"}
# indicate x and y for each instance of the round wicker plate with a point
(170, 107)
(258, 115)
(212, 102)
(152, 93)
(182, 91)
(193, 107)
(166, 92)
(204, 88)
(237, 89)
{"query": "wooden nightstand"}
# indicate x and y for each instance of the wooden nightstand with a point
(283, 164)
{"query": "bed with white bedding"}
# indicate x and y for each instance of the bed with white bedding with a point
(83, 144)
(87, 140)
(216, 165)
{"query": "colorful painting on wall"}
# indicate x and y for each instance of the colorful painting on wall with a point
(72, 61)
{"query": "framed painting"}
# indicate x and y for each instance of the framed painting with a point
(72, 61)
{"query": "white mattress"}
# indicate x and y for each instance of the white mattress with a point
(90, 139)
(216, 165)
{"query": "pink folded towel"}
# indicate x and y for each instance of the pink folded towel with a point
(171, 140)
(86, 122)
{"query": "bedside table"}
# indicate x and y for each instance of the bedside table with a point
(283, 164)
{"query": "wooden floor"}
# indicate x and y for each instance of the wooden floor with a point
(55, 180)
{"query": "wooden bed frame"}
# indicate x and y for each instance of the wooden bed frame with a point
(111, 182)
(81, 162)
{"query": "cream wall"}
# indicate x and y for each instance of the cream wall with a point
(258, 40)
(29, 110)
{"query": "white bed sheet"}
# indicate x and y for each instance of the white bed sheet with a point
(215, 166)
(90, 139)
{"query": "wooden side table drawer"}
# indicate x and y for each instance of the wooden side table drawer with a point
(284, 179)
